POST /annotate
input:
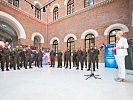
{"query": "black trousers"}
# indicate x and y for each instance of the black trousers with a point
(91, 61)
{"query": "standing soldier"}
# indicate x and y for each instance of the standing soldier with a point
(91, 54)
(21, 56)
(52, 58)
(17, 58)
(11, 58)
(5, 57)
(36, 58)
(40, 55)
(96, 56)
(84, 57)
(65, 58)
(79, 58)
(59, 57)
(74, 58)
(68, 58)
(28, 57)
(0, 54)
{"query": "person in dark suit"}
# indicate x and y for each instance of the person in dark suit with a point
(91, 55)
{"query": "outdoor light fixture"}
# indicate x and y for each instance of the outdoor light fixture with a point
(43, 7)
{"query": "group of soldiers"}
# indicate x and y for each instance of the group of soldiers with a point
(79, 57)
(24, 57)
(19, 57)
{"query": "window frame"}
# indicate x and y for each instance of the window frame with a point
(55, 13)
(13, 2)
(88, 3)
(37, 44)
(112, 36)
(90, 40)
(70, 7)
(71, 43)
(55, 46)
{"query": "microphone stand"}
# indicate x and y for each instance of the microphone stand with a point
(92, 72)
(92, 75)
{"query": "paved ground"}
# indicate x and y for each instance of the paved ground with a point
(63, 84)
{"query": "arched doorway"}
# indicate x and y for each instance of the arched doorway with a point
(8, 34)
(11, 30)
(37, 42)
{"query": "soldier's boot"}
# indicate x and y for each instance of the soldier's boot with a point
(7, 69)
(88, 68)
(11, 66)
(2, 68)
(25, 67)
(18, 67)
(77, 68)
(41, 65)
(21, 65)
(30, 67)
(93, 68)
(14, 67)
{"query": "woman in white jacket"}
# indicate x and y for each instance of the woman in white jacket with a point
(120, 51)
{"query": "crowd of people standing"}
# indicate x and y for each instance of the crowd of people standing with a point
(19, 57)
(76, 58)
(25, 57)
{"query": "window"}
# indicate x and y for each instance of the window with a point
(70, 7)
(14, 2)
(37, 11)
(112, 38)
(71, 43)
(55, 46)
(90, 38)
(88, 3)
(55, 13)
(37, 42)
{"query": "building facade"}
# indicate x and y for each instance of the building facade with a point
(62, 24)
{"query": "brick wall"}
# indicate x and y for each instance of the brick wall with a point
(98, 17)
(29, 23)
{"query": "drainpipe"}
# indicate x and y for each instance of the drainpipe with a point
(46, 26)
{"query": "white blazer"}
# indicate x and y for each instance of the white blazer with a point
(122, 42)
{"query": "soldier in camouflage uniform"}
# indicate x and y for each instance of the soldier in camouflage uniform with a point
(0, 54)
(91, 55)
(5, 57)
(28, 57)
(84, 58)
(96, 56)
(11, 58)
(36, 57)
(40, 55)
(52, 58)
(17, 58)
(65, 58)
(59, 57)
(79, 58)
(68, 58)
(74, 58)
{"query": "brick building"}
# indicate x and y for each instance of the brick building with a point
(59, 24)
